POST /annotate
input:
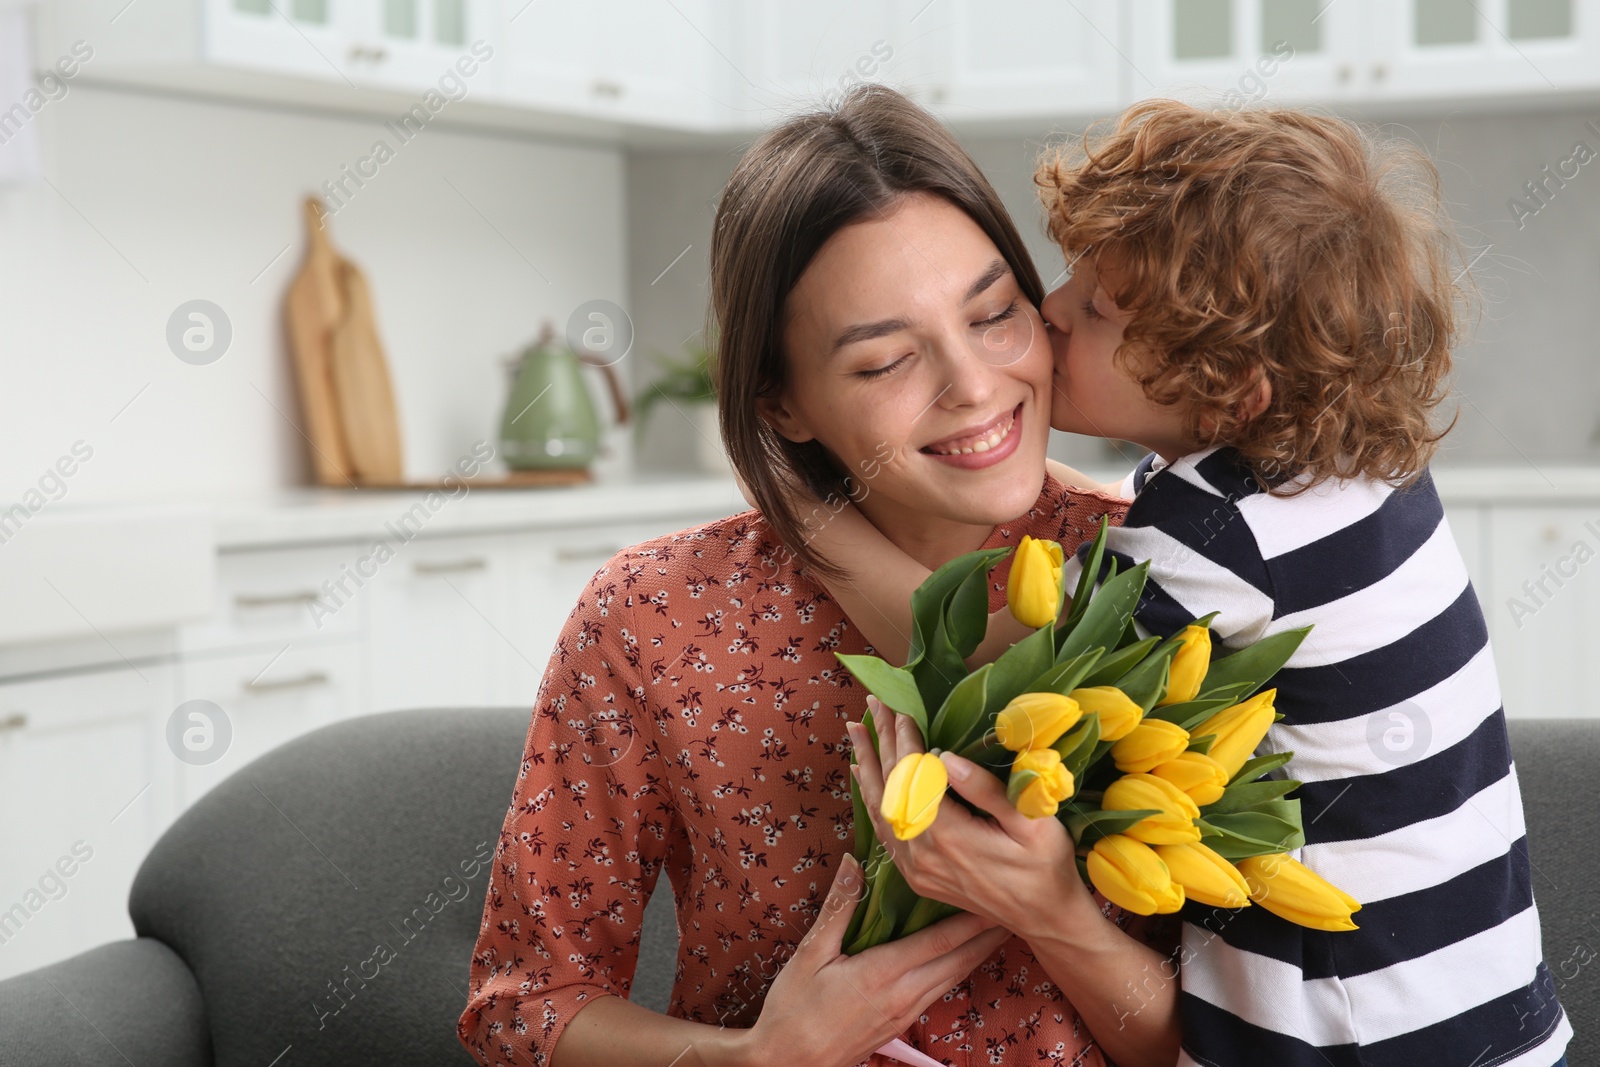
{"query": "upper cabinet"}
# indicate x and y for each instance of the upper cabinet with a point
(643, 62)
(1363, 51)
(613, 69)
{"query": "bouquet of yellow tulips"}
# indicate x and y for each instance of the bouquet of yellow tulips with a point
(1142, 747)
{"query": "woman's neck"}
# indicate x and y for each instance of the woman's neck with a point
(930, 541)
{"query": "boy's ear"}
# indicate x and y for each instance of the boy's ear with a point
(1258, 401)
(776, 411)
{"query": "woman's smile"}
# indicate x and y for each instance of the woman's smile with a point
(984, 446)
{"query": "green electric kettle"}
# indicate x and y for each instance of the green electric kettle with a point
(550, 422)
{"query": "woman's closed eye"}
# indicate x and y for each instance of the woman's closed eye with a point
(879, 372)
(1089, 312)
(999, 316)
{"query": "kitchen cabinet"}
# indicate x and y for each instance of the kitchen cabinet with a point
(254, 701)
(440, 625)
(1028, 58)
(87, 784)
(1544, 606)
(668, 65)
(1363, 51)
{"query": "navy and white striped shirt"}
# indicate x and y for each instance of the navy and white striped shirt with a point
(1410, 804)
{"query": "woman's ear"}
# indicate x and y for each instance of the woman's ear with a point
(778, 415)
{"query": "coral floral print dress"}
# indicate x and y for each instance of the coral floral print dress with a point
(691, 720)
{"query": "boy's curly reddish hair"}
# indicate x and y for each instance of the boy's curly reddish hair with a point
(1275, 242)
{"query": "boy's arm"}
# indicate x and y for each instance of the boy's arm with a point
(1070, 476)
(877, 593)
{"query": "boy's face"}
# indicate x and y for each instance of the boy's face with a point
(1091, 392)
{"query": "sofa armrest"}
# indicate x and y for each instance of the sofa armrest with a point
(127, 1002)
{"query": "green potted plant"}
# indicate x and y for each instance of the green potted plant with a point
(687, 384)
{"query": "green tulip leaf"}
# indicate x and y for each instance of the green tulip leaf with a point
(925, 912)
(1087, 577)
(1202, 744)
(1259, 765)
(1063, 678)
(959, 720)
(1147, 682)
(1254, 833)
(1190, 713)
(939, 668)
(1015, 668)
(1088, 825)
(967, 614)
(895, 686)
(1077, 746)
(1113, 665)
(1248, 795)
(1107, 614)
(863, 821)
(1253, 665)
(1016, 782)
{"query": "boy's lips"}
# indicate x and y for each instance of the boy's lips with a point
(990, 444)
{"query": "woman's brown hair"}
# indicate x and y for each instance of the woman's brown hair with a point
(1275, 242)
(797, 186)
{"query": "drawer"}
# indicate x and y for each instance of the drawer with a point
(279, 596)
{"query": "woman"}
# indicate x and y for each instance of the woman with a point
(879, 340)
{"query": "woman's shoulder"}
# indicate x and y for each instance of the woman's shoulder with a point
(728, 546)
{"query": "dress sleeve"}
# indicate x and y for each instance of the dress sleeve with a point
(588, 830)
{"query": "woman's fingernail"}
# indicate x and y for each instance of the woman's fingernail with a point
(955, 766)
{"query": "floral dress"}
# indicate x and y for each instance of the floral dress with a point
(691, 720)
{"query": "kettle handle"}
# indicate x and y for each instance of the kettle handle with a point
(613, 383)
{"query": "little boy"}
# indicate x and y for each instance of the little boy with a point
(1264, 301)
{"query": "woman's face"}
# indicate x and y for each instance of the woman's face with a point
(915, 359)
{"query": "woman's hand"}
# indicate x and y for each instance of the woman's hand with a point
(833, 1010)
(1010, 869)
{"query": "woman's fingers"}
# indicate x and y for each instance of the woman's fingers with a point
(883, 726)
(936, 976)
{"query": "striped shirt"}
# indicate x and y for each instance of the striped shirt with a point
(1392, 708)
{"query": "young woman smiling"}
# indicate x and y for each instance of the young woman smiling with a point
(880, 339)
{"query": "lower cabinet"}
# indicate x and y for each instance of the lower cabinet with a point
(233, 708)
(86, 785)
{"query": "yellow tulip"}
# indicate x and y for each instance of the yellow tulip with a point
(1176, 811)
(1291, 890)
(1130, 875)
(1205, 876)
(1035, 720)
(1033, 589)
(1117, 711)
(1189, 666)
(1238, 730)
(912, 792)
(1196, 773)
(1150, 743)
(1039, 782)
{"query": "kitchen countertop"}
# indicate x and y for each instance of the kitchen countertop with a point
(312, 515)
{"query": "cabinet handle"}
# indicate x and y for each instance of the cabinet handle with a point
(452, 568)
(572, 555)
(1380, 71)
(17, 720)
(1346, 72)
(313, 678)
(606, 88)
(252, 600)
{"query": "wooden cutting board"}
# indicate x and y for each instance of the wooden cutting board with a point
(361, 386)
(313, 306)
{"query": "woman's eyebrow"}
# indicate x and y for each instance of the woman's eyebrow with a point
(867, 331)
(991, 274)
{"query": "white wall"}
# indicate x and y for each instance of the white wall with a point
(151, 200)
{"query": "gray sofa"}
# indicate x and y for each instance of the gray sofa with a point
(260, 912)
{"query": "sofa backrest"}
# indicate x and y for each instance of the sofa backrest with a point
(327, 896)
(1556, 769)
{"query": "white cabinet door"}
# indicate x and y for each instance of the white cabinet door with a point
(649, 62)
(86, 785)
(272, 597)
(1467, 526)
(306, 38)
(249, 703)
(1545, 607)
(795, 57)
(1021, 59)
(444, 46)
(1235, 52)
(440, 624)
(1433, 49)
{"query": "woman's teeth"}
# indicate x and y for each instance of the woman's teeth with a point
(982, 444)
